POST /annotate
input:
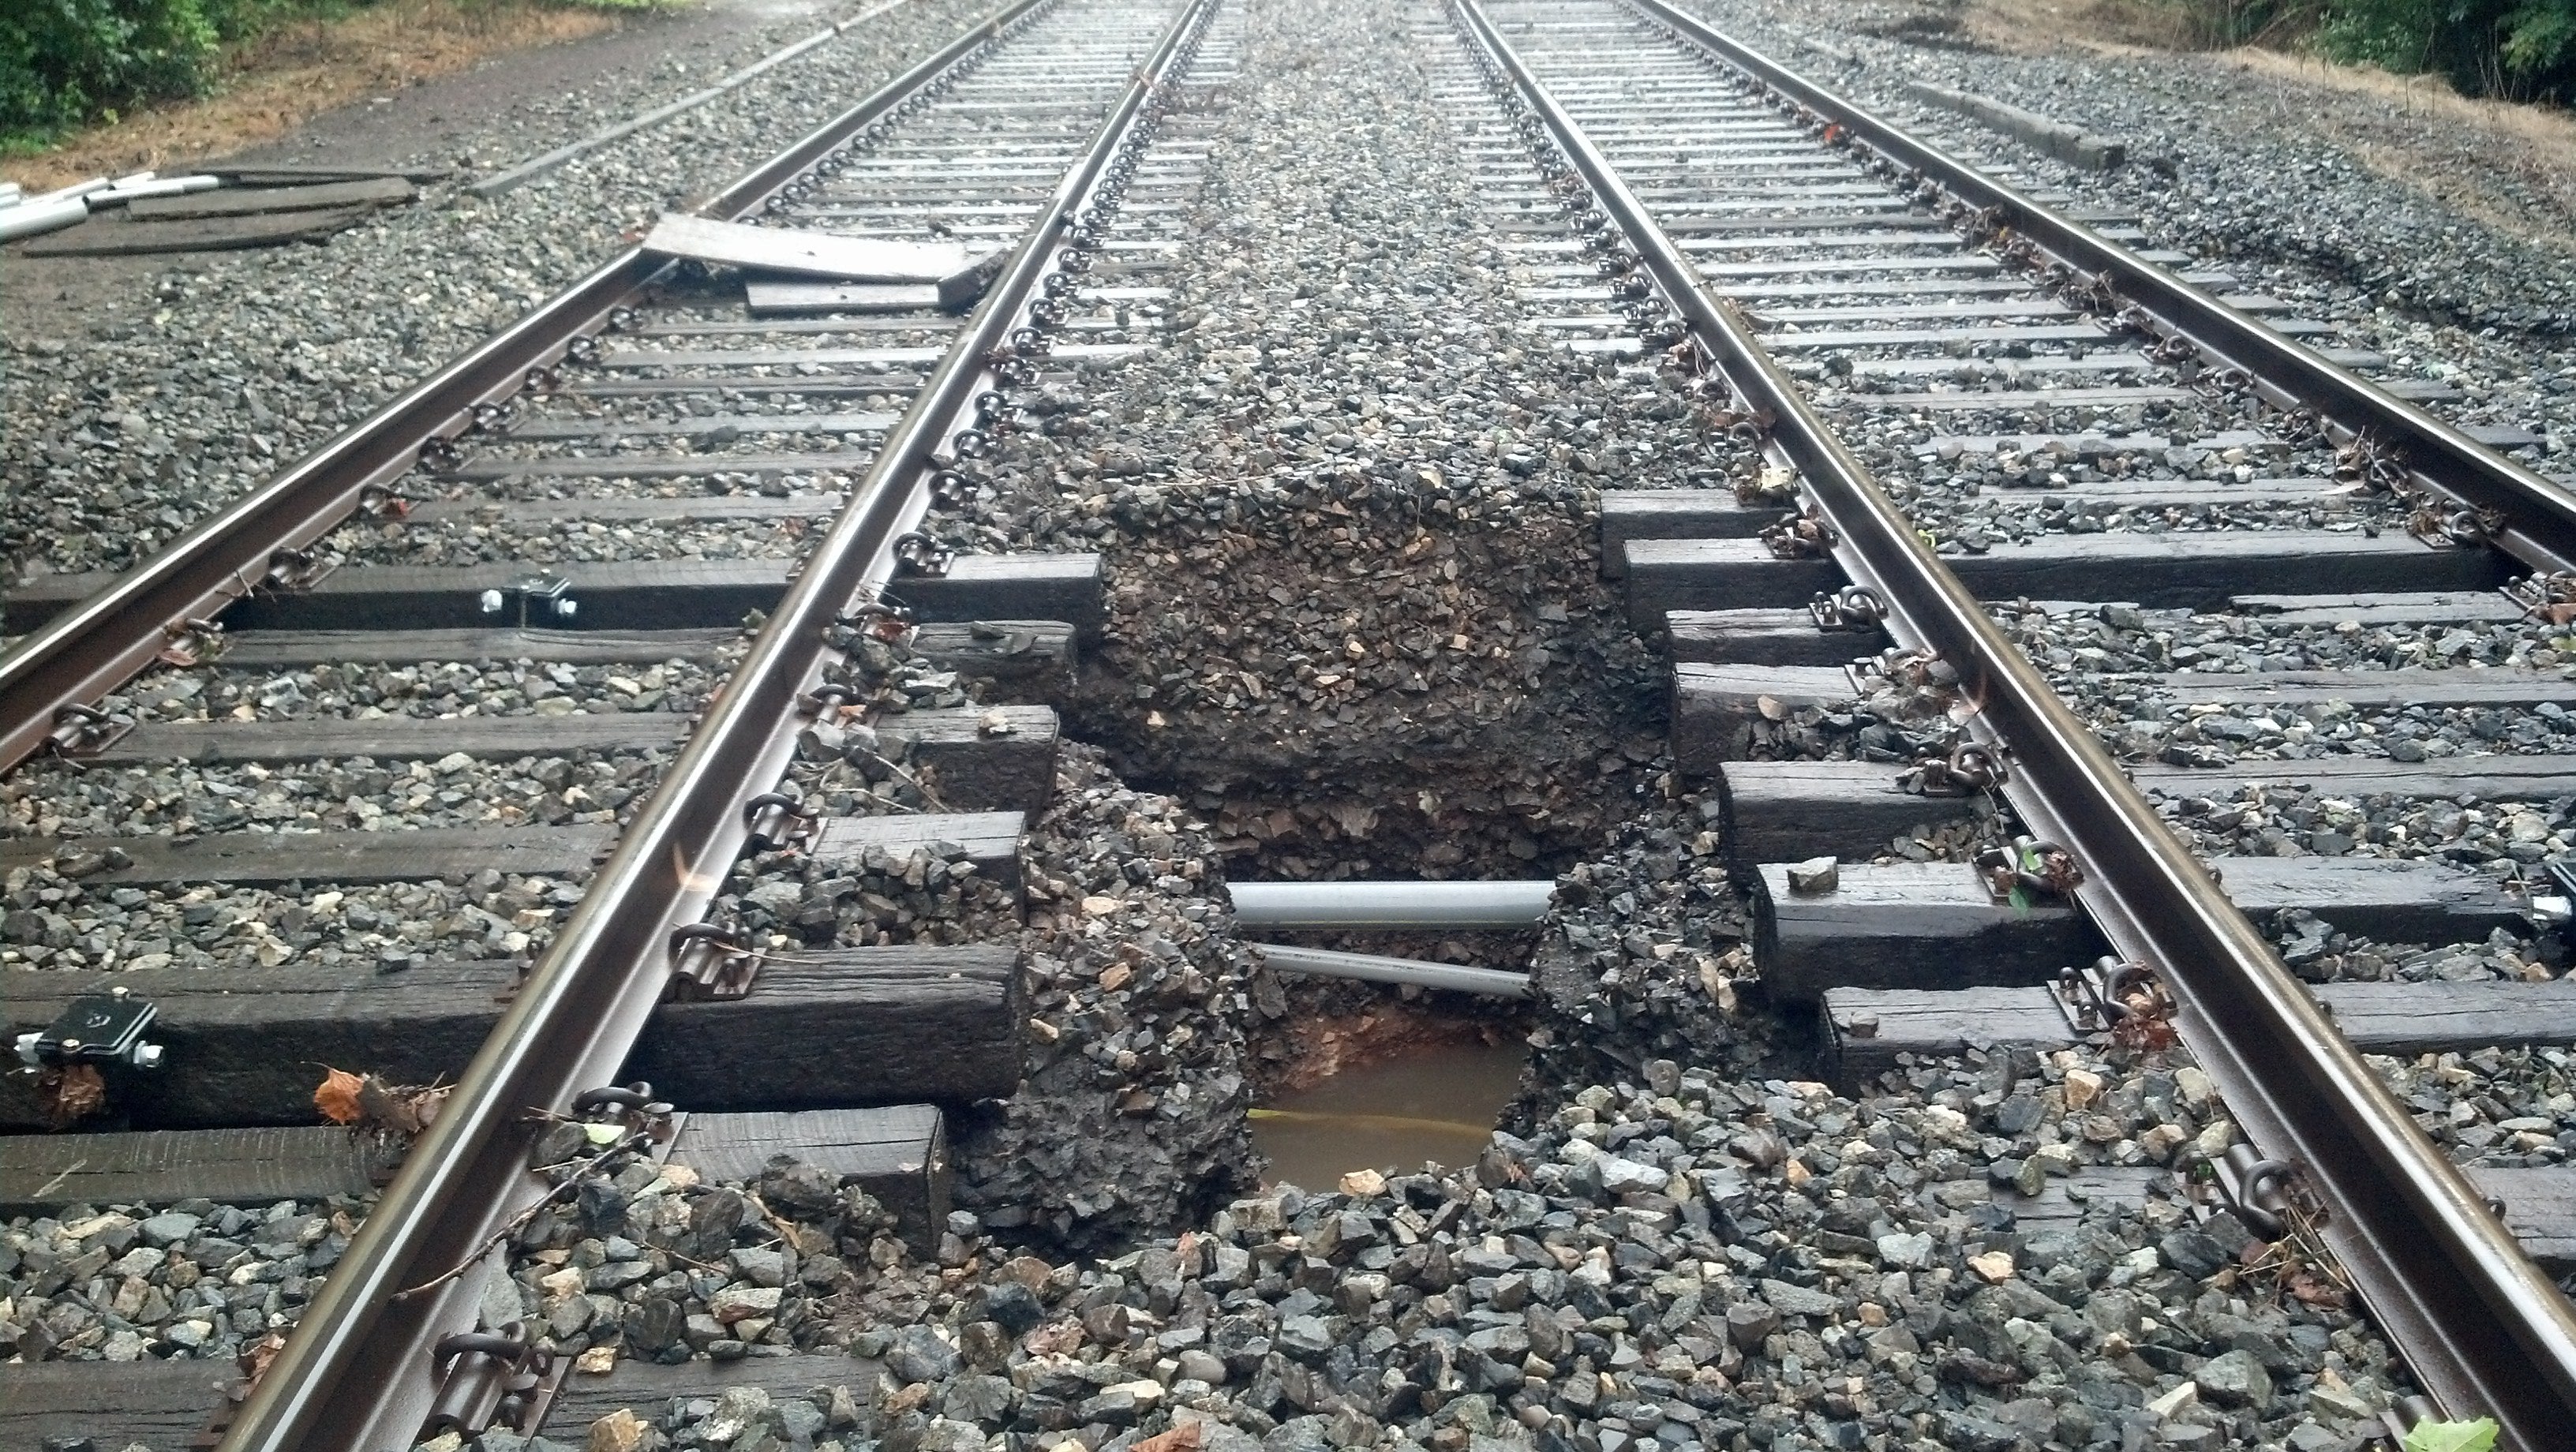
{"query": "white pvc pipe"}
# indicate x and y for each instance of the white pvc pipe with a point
(76, 189)
(168, 186)
(1498, 905)
(29, 218)
(1372, 968)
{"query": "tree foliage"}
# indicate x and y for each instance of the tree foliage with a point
(2516, 49)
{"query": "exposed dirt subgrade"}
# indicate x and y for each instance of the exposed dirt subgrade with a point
(1335, 1027)
(1348, 505)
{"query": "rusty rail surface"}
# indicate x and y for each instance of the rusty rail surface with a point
(103, 641)
(359, 1372)
(2484, 1330)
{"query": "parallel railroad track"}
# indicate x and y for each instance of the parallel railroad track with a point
(1882, 321)
(582, 514)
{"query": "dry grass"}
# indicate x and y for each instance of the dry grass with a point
(274, 84)
(2096, 25)
(2510, 166)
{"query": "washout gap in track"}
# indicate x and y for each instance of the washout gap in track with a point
(2045, 1003)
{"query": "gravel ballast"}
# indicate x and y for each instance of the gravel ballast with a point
(233, 365)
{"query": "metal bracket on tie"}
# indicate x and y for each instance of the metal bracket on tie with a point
(2029, 865)
(2387, 1431)
(489, 1379)
(80, 730)
(918, 554)
(95, 1029)
(2549, 597)
(2555, 909)
(1799, 536)
(1963, 771)
(295, 570)
(2110, 993)
(1901, 669)
(191, 642)
(827, 697)
(377, 501)
(2257, 1189)
(711, 962)
(550, 595)
(880, 620)
(777, 819)
(631, 1105)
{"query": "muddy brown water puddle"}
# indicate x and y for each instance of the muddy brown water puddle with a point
(1437, 1102)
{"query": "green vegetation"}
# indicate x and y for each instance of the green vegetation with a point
(2521, 50)
(2477, 1436)
(2517, 49)
(67, 63)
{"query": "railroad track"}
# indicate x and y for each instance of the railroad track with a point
(1927, 393)
(1908, 344)
(616, 566)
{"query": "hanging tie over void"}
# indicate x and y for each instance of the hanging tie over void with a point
(1453, 905)
(1373, 968)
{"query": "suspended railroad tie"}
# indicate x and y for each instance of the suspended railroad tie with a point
(1500, 906)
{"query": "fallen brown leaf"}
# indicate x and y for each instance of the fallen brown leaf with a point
(368, 1101)
(71, 1093)
(1183, 1438)
(338, 1097)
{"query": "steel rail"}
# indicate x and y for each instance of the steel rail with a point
(2484, 1330)
(103, 641)
(2540, 514)
(356, 1374)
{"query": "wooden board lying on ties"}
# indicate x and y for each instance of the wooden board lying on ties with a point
(109, 236)
(958, 272)
(810, 299)
(1869, 1028)
(348, 856)
(254, 201)
(820, 1027)
(1068, 587)
(1933, 925)
(2198, 570)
